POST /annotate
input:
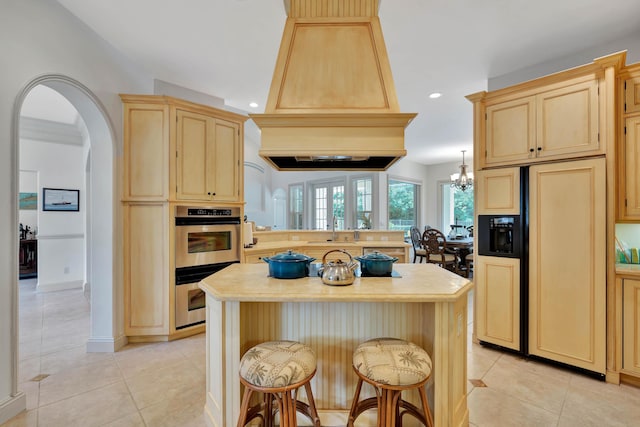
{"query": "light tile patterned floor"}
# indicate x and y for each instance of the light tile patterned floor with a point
(163, 384)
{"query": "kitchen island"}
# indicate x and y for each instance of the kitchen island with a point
(426, 305)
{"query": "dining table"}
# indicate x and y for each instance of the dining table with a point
(461, 247)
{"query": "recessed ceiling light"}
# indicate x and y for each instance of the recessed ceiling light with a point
(253, 104)
(435, 95)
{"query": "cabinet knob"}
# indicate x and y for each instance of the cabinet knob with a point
(531, 150)
(539, 148)
(209, 193)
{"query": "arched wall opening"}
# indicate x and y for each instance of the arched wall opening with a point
(102, 219)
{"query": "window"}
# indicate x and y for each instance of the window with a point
(328, 204)
(403, 205)
(363, 190)
(457, 207)
(296, 206)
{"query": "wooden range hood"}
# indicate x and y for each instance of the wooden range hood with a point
(332, 103)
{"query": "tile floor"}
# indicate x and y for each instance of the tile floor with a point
(163, 384)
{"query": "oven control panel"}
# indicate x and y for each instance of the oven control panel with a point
(205, 212)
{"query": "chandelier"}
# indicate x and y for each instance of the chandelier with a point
(462, 180)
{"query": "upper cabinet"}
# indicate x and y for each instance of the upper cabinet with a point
(631, 89)
(207, 158)
(629, 149)
(555, 121)
(175, 150)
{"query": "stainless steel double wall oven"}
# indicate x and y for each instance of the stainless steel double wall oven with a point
(207, 239)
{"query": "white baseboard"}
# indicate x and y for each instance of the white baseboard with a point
(12, 407)
(106, 345)
(59, 286)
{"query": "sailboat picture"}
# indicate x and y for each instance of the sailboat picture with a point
(57, 199)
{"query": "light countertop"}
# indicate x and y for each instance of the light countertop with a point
(419, 283)
(283, 245)
(628, 269)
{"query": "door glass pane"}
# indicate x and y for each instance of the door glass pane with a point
(403, 205)
(296, 203)
(364, 203)
(338, 205)
(320, 211)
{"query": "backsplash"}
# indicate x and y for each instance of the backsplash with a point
(629, 234)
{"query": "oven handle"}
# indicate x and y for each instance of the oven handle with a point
(207, 221)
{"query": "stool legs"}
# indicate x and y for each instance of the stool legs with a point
(288, 406)
(391, 406)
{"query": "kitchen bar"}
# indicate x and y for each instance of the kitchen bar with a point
(426, 305)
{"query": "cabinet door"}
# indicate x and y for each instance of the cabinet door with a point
(146, 152)
(567, 263)
(498, 191)
(630, 184)
(567, 120)
(146, 266)
(195, 139)
(510, 131)
(498, 300)
(224, 162)
(631, 326)
(632, 95)
(257, 257)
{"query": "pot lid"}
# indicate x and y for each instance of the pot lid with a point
(290, 256)
(375, 256)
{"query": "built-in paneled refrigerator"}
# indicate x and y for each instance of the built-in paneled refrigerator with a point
(540, 269)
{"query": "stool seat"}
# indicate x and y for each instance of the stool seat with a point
(392, 361)
(278, 369)
(391, 366)
(277, 364)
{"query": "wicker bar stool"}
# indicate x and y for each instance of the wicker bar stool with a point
(277, 369)
(391, 366)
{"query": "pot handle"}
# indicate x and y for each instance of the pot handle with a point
(266, 259)
(324, 258)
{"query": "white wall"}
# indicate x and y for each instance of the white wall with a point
(60, 234)
(631, 44)
(39, 37)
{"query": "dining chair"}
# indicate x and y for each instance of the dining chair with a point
(416, 240)
(435, 244)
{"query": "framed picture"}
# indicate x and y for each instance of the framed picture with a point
(28, 201)
(57, 199)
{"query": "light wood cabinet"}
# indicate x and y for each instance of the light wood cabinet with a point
(630, 184)
(257, 257)
(498, 191)
(147, 297)
(497, 296)
(146, 151)
(511, 131)
(628, 206)
(174, 152)
(180, 151)
(401, 253)
(632, 95)
(631, 326)
(207, 158)
(552, 122)
(567, 281)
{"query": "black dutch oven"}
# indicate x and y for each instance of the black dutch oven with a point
(376, 264)
(288, 265)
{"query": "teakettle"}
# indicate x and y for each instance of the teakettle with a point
(338, 273)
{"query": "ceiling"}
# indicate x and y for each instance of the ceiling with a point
(228, 48)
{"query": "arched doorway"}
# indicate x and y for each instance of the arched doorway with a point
(102, 220)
